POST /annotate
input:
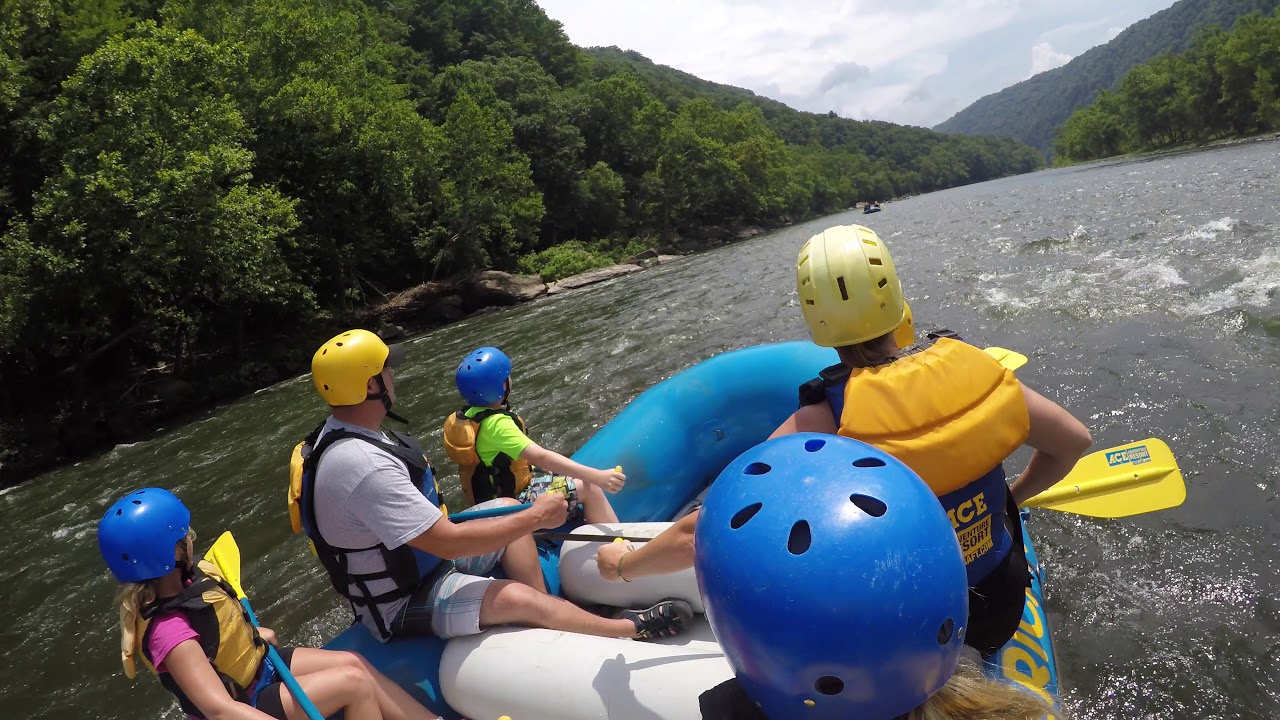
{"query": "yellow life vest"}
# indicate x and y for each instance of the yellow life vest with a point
(228, 639)
(951, 413)
(507, 477)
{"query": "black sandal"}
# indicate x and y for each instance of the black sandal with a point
(666, 619)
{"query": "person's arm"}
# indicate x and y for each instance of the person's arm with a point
(671, 551)
(809, 418)
(1059, 440)
(608, 480)
(191, 670)
(450, 540)
(268, 635)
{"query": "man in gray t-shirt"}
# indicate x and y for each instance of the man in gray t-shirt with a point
(368, 513)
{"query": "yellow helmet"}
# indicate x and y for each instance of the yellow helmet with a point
(341, 368)
(905, 334)
(848, 287)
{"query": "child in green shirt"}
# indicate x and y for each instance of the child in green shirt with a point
(497, 459)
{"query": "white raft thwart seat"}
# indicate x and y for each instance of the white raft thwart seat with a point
(532, 674)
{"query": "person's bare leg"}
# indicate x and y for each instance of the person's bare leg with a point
(393, 702)
(596, 507)
(334, 688)
(520, 560)
(512, 603)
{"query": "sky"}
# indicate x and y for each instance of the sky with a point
(912, 62)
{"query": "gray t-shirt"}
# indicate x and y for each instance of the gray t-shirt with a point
(364, 497)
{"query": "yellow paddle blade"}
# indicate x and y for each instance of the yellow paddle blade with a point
(1131, 479)
(226, 555)
(1009, 359)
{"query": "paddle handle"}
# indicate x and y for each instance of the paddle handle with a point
(283, 671)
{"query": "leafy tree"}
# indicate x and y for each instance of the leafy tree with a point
(490, 206)
(1225, 84)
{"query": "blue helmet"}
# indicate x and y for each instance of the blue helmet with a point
(482, 376)
(138, 533)
(832, 578)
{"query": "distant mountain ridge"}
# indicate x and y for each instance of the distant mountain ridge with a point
(1034, 109)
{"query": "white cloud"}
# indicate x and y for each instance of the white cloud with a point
(1112, 32)
(1044, 57)
(910, 61)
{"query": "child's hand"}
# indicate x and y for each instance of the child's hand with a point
(609, 480)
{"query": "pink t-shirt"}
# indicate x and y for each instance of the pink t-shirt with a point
(168, 630)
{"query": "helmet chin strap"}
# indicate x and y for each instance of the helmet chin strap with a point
(386, 399)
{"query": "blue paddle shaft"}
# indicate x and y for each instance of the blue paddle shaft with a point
(489, 512)
(286, 675)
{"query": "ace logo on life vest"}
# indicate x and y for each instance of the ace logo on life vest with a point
(976, 538)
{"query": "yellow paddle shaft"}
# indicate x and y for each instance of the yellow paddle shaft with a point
(1101, 486)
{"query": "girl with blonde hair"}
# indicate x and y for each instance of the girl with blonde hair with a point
(183, 621)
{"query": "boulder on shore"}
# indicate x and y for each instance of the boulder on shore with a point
(494, 287)
(591, 277)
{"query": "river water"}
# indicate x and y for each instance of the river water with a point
(1145, 292)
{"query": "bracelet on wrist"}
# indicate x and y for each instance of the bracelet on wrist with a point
(620, 559)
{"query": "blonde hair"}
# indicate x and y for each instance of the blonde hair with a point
(968, 695)
(131, 599)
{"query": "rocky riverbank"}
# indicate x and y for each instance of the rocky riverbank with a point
(161, 395)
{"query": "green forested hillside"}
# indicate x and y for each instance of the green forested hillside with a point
(1226, 85)
(1033, 110)
(192, 190)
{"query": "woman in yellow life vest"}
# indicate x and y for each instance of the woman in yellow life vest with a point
(183, 621)
(949, 412)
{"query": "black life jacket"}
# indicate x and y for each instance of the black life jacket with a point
(405, 566)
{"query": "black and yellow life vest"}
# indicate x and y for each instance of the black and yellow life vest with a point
(952, 414)
(506, 477)
(405, 566)
(228, 639)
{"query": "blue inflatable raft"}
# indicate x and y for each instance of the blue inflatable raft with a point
(672, 440)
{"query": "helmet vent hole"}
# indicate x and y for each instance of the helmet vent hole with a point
(844, 291)
(808, 302)
(338, 344)
(875, 261)
(947, 631)
(814, 445)
(757, 468)
(136, 502)
(326, 387)
(869, 505)
(124, 556)
(868, 462)
(800, 539)
(744, 515)
(829, 685)
(119, 512)
(324, 351)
